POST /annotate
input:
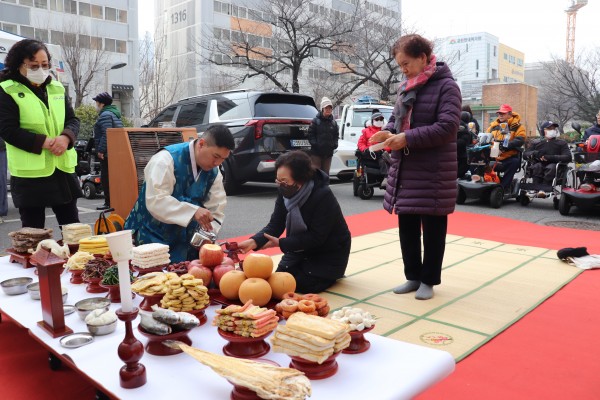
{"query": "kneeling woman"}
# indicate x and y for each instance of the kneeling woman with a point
(317, 243)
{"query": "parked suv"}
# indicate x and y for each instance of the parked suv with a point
(264, 125)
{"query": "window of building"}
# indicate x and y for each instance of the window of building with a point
(110, 14)
(109, 44)
(494, 51)
(27, 31)
(70, 39)
(85, 41)
(41, 4)
(12, 28)
(505, 56)
(476, 74)
(97, 12)
(57, 5)
(41, 34)
(122, 16)
(85, 9)
(26, 3)
(476, 64)
(56, 37)
(95, 43)
(70, 6)
(121, 46)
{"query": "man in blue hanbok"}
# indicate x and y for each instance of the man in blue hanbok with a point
(183, 189)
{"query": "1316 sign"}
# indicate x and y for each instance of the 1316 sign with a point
(179, 16)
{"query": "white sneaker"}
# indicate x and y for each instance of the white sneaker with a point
(1, 220)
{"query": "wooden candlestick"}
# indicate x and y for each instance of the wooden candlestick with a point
(131, 350)
(49, 268)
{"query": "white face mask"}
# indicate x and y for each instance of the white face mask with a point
(552, 134)
(378, 124)
(39, 76)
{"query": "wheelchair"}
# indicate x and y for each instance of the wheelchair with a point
(367, 177)
(584, 193)
(530, 190)
(481, 182)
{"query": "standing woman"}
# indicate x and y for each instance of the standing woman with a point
(323, 136)
(39, 127)
(422, 178)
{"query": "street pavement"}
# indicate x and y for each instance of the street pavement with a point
(250, 210)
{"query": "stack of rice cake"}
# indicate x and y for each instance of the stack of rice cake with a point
(26, 239)
(73, 233)
(151, 255)
(247, 320)
(94, 245)
(311, 337)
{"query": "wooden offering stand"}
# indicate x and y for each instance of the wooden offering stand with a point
(133, 374)
(313, 370)
(244, 347)
(358, 343)
(21, 258)
(49, 268)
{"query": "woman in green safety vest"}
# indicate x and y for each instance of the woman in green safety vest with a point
(39, 127)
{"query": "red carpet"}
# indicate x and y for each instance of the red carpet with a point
(25, 373)
(549, 354)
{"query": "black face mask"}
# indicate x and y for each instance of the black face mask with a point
(288, 191)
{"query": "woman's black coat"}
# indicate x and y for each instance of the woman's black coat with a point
(325, 243)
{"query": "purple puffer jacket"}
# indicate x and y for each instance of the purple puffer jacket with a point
(424, 180)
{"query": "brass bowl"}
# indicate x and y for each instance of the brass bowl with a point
(16, 286)
(99, 330)
(34, 291)
(86, 306)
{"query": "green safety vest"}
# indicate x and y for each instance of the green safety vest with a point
(35, 117)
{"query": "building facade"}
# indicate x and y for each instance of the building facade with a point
(511, 65)
(479, 58)
(188, 26)
(106, 26)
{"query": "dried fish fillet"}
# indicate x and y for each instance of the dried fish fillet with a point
(269, 382)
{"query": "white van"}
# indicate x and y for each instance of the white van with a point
(354, 116)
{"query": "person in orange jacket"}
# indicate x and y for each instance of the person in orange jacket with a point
(507, 126)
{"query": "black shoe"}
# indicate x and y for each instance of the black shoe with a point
(103, 207)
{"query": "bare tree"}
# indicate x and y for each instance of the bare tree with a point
(572, 91)
(159, 78)
(84, 55)
(365, 55)
(275, 41)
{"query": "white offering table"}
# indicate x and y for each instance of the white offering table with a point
(390, 369)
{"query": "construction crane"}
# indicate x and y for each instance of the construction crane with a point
(571, 16)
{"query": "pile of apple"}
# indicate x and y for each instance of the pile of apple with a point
(257, 282)
(211, 266)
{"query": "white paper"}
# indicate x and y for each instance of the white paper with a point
(377, 146)
(495, 150)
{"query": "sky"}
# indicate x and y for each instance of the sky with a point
(538, 28)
